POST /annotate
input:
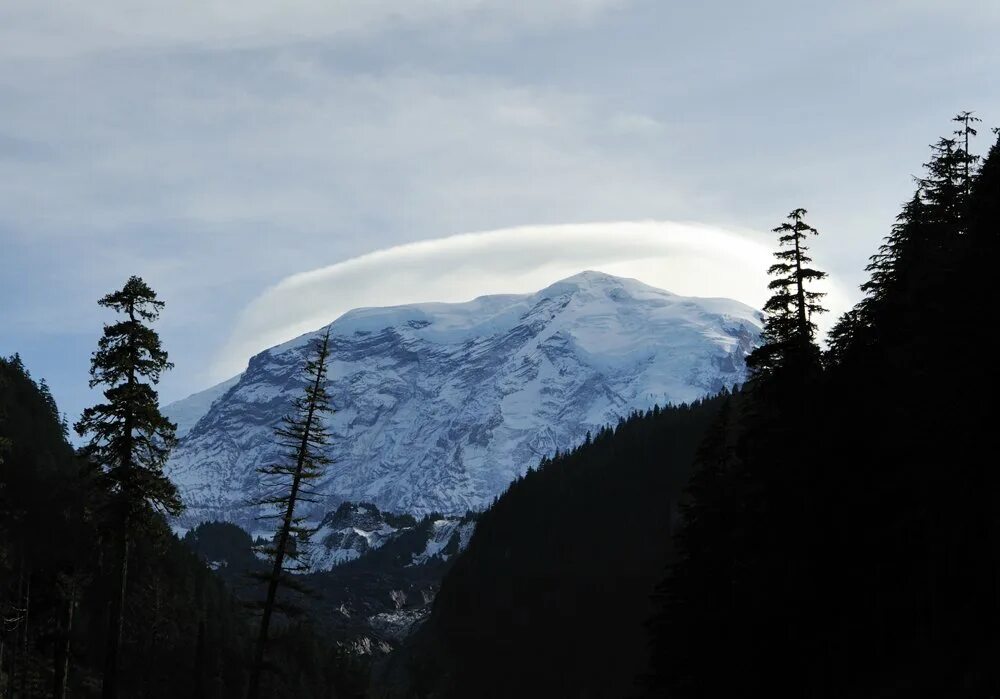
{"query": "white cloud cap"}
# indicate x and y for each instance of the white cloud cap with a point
(685, 258)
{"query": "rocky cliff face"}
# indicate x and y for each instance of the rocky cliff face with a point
(440, 406)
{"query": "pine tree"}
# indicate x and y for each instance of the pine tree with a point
(304, 438)
(943, 190)
(913, 270)
(962, 134)
(4, 441)
(885, 309)
(50, 401)
(984, 218)
(789, 329)
(129, 437)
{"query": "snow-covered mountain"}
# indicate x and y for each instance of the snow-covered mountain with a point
(355, 529)
(439, 406)
(350, 531)
(186, 413)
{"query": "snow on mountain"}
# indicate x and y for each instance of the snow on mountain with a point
(355, 529)
(439, 406)
(349, 532)
(186, 413)
(443, 531)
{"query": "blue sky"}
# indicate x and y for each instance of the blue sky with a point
(219, 147)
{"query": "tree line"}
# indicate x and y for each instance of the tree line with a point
(829, 529)
(97, 595)
(841, 533)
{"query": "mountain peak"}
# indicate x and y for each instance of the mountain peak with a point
(592, 280)
(592, 276)
(440, 406)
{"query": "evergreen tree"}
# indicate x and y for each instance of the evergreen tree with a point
(129, 437)
(54, 535)
(789, 329)
(963, 134)
(304, 438)
(50, 401)
(888, 267)
(4, 441)
(944, 192)
(44, 540)
(895, 273)
(913, 270)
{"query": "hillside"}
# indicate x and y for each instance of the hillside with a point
(557, 579)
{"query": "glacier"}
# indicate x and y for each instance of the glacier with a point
(439, 406)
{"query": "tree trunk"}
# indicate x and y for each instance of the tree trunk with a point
(151, 656)
(279, 556)
(800, 292)
(109, 688)
(25, 638)
(62, 647)
(15, 655)
(199, 663)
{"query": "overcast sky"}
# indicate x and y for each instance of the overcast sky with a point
(219, 147)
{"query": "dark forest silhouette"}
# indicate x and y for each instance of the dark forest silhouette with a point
(830, 529)
(839, 534)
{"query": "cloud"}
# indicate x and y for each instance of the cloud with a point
(39, 28)
(686, 258)
(218, 146)
(301, 145)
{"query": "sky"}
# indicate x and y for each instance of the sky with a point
(265, 165)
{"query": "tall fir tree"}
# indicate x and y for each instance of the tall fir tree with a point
(944, 192)
(304, 438)
(744, 576)
(789, 330)
(963, 134)
(129, 439)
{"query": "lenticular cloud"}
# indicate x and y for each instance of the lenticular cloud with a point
(685, 258)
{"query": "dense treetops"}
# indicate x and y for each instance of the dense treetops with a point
(550, 597)
(839, 533)
(840, 538)
(183, 633)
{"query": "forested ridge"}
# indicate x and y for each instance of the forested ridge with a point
(842, 533)
(554, 584)
(839, 535)
(181, 632)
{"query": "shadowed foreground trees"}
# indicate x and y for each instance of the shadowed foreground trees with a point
(129, 438)
(858, 554)
(62, 522)
(839, 535)
(550, 597)
(789, 339)
(304, 436)
(52, 510)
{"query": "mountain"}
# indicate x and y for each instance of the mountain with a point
(356, 529)
(351, 531)
(186, 413)
(440, 406)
